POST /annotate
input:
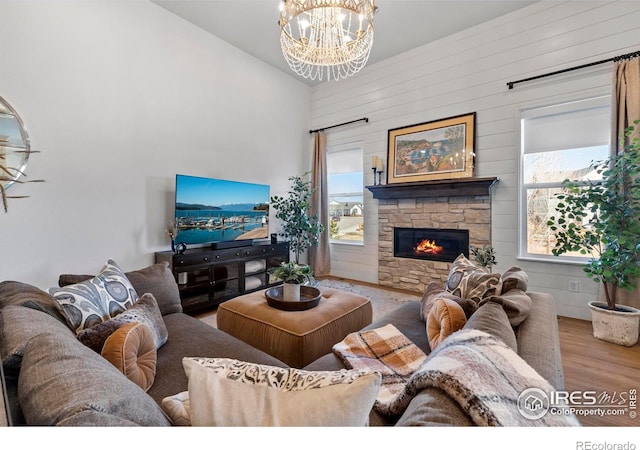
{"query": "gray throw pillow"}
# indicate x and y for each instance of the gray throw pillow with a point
(144, 311)
(514, 278)
(516, 304)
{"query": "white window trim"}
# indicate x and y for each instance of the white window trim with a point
(527, 112)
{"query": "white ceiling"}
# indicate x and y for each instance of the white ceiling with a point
(400, 25)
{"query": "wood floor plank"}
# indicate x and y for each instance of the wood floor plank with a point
(591, 364)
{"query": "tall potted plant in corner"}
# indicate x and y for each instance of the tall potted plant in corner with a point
(299, 228)
(601, 218)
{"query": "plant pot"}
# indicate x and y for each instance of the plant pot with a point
(619, 327)
(291, 292)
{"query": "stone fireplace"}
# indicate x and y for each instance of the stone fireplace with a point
(455, 214)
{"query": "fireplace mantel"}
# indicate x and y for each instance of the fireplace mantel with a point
(439, 188)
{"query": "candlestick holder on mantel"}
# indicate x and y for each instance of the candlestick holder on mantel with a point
(379, 178)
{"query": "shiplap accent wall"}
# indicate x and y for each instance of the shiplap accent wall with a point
(468, 72)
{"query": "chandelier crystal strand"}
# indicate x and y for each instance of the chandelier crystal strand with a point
(331, 38)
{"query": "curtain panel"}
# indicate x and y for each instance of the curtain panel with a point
(626, 99)
(319, 255)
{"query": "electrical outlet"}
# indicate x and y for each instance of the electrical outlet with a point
(574, 286)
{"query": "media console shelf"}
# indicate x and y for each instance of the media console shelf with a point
(208, 277)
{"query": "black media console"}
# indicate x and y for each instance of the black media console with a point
(207, 277)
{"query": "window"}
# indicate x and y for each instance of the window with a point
(345, 185)
(557, 143)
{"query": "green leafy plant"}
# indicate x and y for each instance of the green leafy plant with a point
(601, 219)
(485, 256)
(299, 228)
(293, 273)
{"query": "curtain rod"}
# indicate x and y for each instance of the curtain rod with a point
(510, 84)
(366, 119)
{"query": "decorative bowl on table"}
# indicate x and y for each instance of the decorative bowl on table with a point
(309, 298)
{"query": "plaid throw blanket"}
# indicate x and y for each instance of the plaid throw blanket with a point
(385, 350)
(478, 371)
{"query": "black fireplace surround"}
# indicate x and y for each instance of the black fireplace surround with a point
(433, 244)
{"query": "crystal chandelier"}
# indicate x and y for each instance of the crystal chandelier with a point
(331, 38)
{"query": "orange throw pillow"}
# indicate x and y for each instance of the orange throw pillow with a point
(132, 349)
(445, 317)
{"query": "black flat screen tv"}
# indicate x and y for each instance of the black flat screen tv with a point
(223, 213)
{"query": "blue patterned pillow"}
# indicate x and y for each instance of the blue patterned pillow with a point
(93, 301)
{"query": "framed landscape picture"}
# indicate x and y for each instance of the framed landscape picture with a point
(438, 150)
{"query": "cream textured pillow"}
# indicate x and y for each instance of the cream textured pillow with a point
(466, 280)
(95, 300)
(132, 350)
(176, 407)
(228, 392)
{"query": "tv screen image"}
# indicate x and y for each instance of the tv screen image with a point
(209, 210)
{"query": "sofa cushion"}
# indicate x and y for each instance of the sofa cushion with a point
(492, 319)
(467, 280)
(156, 279)
(63, 382)
(144, 311)
(272, 396)
(170, 377)
(445, 318)
(434, 291)
(132, 350)
(23, 294)
(95, 300)
(18, 325)
(433, 407)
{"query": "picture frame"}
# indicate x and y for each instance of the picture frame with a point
(436, 150)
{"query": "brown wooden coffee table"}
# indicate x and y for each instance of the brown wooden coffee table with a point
(296, 338)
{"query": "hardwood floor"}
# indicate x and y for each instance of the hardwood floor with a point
(593, 365)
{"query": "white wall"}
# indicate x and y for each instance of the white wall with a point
(119, 96)
(468, 72)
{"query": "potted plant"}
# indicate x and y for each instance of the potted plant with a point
(601, 218)
(293, 275)
(485, 256)
(299, 228)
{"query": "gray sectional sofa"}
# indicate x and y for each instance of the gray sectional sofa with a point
(51, 378)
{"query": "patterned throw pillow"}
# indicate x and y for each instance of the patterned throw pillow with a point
(466, 280)
(272, 396)
(93, 301)
(144, 311)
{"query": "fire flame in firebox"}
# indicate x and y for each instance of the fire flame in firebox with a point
(428, 247)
